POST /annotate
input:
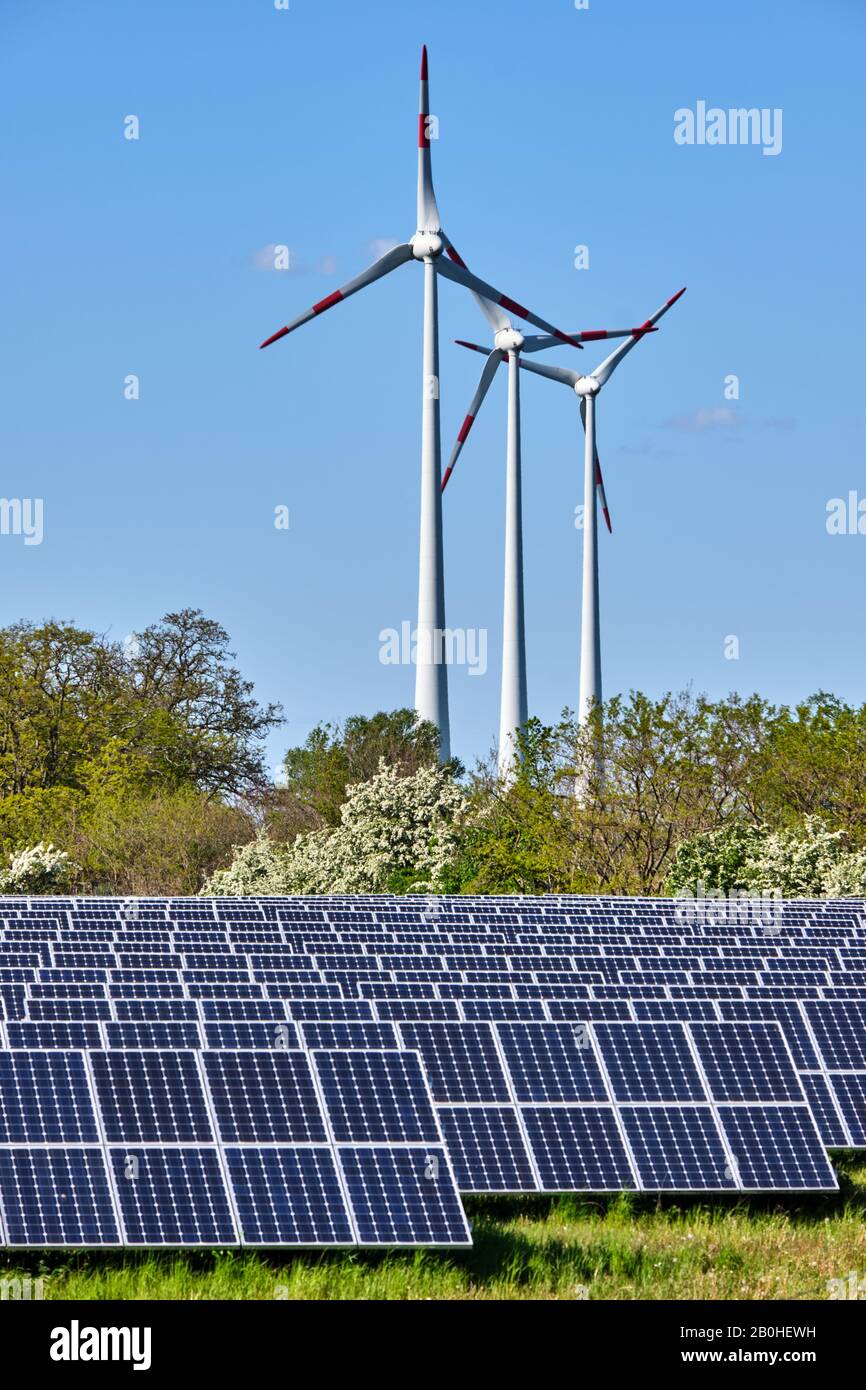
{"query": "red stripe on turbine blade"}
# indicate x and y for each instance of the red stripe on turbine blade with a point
(465, 428)
(328, 303)
(423, 141)
(677, 296)
(424, 62)
(273, 338)
(607, 519)
(453, 256)
(446, 475)
(598, 472)
(474, 346)
(566, 338)
(515, 308)
(592, 333)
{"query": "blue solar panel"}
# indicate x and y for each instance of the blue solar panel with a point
(746, 1061)
(849, 1089)
(825, 1110)
(677, 1148)
(776, 1147)
(487, 1148)
(404, 1196)
(39, 1036)
(349, 1035)
(172, 1196)
(649, 1061)
(375, 1097)
(151, 1097)
(578, 1149)
(551, 1061)
(461, 1060)
(45, 1098)
(56, 1197)
(282, 1036)
(147, 1035)
(288, 1196)
(839, 1027)
(264, 1097)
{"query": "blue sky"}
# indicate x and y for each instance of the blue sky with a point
(297, 127)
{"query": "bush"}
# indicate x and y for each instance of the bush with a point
(39, 869)
(396, 834)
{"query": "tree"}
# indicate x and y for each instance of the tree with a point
(335, 756)
(168, 710)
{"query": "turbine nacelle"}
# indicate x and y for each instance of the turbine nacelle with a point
(586, 386)
(426, 246)
(509, 340)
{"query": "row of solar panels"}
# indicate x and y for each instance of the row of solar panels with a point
(346, 1146)
(827, 1041)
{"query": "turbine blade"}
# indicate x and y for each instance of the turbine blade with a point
(476, 347)
(428, 212)
(390, 261)
(463, 276)
(610, 364)
(599, 481)
(488, 373)
(539, 342)
(563, 374)
(493, 314)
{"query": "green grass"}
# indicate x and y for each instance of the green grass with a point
(525, 1248)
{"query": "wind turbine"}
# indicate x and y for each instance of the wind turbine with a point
(586, 388)
(509, 343)
(427, 246)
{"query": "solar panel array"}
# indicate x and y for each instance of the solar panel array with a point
(248, 1060)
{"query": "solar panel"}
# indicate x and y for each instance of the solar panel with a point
(56, 1197)
(45, 1098)
(172, 1196)
(289, 1196)
(487, 1148)
(264, 1097)
(776, 1147)
(678, 1148)
(152, 1097)
(375, 1097)
(404, 1196)
(578, 1149)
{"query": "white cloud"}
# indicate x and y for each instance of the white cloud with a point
(709, 418)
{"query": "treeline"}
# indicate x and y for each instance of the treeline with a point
(142, 764)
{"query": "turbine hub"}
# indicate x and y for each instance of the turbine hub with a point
(426, 245)
(586, 386)
(509, 340)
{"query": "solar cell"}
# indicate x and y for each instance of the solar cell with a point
(746, 1061)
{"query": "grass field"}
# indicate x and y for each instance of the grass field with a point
(526, 1248)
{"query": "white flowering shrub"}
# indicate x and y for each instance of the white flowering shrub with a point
(40, 869)
(397, 834)
(809, 861)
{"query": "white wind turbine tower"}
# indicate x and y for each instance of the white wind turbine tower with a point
(509, 343)
(427, 246)
(587, 388)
